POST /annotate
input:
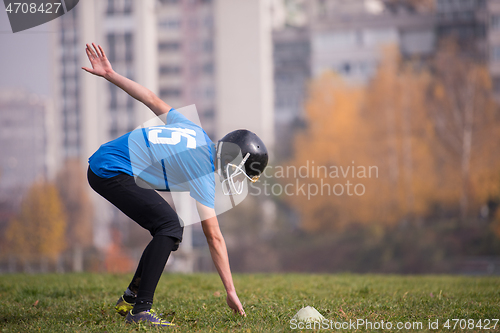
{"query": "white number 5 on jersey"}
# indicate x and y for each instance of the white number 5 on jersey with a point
(177, 133)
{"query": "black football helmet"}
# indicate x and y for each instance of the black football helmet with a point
(240, 152)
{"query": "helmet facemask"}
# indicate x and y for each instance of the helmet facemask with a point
(236, 175)
(232, 175)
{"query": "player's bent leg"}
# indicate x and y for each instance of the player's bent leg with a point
(153, 213)
(145, 206)
(153, 263)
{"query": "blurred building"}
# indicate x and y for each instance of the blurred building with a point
(186, 57)
(244, 67)
(217, 54)
(476, 26)
(343, 36)
(348, 36)
(292, 70)
(93, 110)
(493, 25)
(28, 141)
(467, 21)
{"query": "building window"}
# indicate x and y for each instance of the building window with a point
(170, 24)
(110, 10)
(495, 22)
(129, 47)
(208, 68)
(113, 131)
(337, 39)
(379, 36)
(170, 92)
(496, 84)
(209, 93)
(209, 114)
(208, 22)
(113, 96)
(169, 2)
(346, 68)
(111, 51)
(208, 45)
(119, 7)
(130, 102)
(167, 69)
(127, 7)
(495, 53)
(169, 46)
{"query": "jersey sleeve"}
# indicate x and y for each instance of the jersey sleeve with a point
(175, 117)
(203, 190)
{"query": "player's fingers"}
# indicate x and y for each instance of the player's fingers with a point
(96, 50)
(102, 51)
(89, 54)
(91, 51)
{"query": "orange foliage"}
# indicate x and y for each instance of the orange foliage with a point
(116, 261)
(38, 230)
(72, 185)
(396, 125)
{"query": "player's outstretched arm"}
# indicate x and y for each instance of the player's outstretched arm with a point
(218, 250)
(102, 67)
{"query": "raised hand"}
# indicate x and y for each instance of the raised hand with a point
(100, 64)
(102, 67)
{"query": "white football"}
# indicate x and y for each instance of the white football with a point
(308, 314)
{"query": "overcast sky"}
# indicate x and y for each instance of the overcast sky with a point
(24, 57)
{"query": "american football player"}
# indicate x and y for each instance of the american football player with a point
(178, 156)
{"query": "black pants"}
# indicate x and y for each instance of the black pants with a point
(144, 206)
(152, 212)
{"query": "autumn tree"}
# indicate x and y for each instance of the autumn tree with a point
(466, 120)
(401, 137)
(115, 258)
(335, 137)
(38, 232)
(430, 132)
(72, 185)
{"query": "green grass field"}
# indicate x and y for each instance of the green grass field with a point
(84, 302)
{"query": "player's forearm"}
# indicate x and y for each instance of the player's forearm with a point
(132, 88)
(220, 258)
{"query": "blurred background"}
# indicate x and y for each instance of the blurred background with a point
(381, 116)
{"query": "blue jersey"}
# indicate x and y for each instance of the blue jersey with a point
(178, 156)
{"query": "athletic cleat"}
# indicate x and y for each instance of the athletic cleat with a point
(123, 307)
(149, 317)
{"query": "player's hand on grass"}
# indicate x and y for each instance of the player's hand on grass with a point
(100, 63)
(234, 303)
